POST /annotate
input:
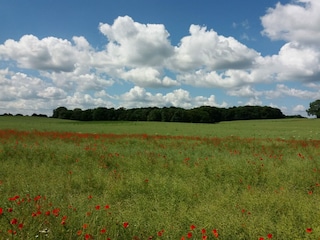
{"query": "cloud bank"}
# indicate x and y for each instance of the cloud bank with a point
(38, 75)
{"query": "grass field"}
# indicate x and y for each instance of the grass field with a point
(145, 180)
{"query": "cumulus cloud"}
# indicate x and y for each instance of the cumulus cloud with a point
(74, 74)
(298, 21)
(283, 90)
(148, 77)
(134, 44)
(48, 54)
(139, 97)
(206, 49)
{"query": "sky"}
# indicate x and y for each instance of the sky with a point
(146, 53)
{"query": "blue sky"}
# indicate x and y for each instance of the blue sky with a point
(91, 53)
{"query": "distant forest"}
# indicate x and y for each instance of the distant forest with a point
(204, 114)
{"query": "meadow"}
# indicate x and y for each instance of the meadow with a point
(64, 179)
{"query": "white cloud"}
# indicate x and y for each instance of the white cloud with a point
(206, 49)
(297, 21)
(48, 54)
(245, 91)
(283, 91)
(148, 77)
(139, 97)
(134, 44)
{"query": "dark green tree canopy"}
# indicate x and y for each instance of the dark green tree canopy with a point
(314, 108)
(203, 114)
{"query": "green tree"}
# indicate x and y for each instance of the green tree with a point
(314, 108)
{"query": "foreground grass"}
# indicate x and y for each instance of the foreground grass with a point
(73, 186)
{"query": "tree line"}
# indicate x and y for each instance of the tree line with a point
(203, 114)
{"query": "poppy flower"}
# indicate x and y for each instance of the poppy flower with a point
(1, 211)
(84, 226)
(192, 227)
(269, 235)
(79, 232)
(20, 226)
(309, 230)
(103, 230)
(97, 207)
(14, 221)
(189, 235)
(215, 233)
(125, 224)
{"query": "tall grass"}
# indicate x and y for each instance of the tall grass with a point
(62, 185)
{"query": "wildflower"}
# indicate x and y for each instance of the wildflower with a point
(56, 212)
(1, 211)
(79, 232)
(97, 207)
(87, 236)
(37, 198)
(103, 230)
(47, 213)
(12, 232)
(189, 235)
(90, 197)
(63, 220)
(160, 233)
(261, 238)
(14, 198)
(10, 209)
(125, 224)
(215, 233)
(309, 230)
(14, 221)
(192, 227)
(269, 235)
(203, 231)
(20, 226)
(204, 237)
(84, 226)
(107, 206)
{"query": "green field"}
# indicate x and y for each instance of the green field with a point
(148, 180)
(282, 128)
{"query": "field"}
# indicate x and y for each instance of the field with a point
(146, 180)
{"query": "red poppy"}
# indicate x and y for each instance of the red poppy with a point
(20, 226)
(107, 206)
(125, 224)
(84, 226)
(189, 235)
(192, 227)
(215, 233)
(203, 231)
(103, 230)
(79, 232)
(204, 237)
(269, 235)
(14, 221)
(309, 230)
(10, 209)
(88, 236)
(56, 212)
(1, 211)
(261, 238)
(97, 207)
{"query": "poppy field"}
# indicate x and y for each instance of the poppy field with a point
(129, 185)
